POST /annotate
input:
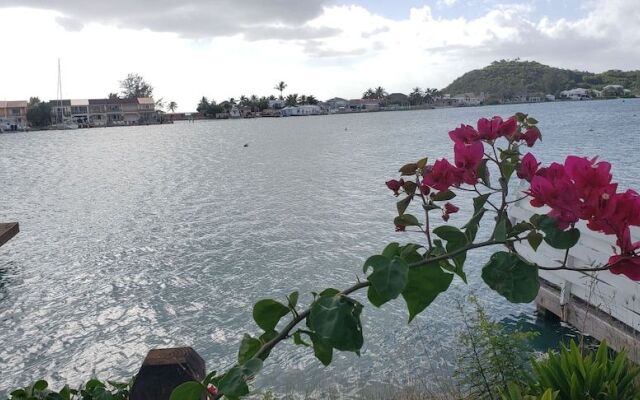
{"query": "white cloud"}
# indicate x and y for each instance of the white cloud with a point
(341, 51)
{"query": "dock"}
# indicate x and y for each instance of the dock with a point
(599, 304)
(8, 231)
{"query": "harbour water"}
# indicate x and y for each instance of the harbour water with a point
(159, 236)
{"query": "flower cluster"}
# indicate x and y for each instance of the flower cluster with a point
(578, 189)
(582, 189)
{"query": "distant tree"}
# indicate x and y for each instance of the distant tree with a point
(38, 113)
(303, 99)
(380, 93)
(415, 97)
(272, 97)
(33, 101)
(280, 86)
(263, 103)
(113, 96)
(552, 81)
(134, 86)
(159, 103)
(369, 94)
(203, 105)
(244, 101)
(172, 106)
(292, 100)
(311, 99)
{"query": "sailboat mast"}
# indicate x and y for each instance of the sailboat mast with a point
(60, 113)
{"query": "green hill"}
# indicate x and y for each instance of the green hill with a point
(509, 78)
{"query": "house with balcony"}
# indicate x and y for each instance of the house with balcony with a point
(104, 112)
(13, 114)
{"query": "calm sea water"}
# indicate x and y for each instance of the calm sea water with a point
(142, 237)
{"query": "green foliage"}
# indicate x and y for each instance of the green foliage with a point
(134, 86)
(509, 275)
(554, 236)
(490, 357)
(39, 113)
(92, 390)
(511, 78)
(514, 392)
(578, 376)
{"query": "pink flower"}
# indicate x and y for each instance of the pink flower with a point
(468, 158)
(508, 128)
(464, 134)
(442, 176)
(401, 228)
(395, 185)
(552, 187)
(588, 175)
(528, 167)
(212, 390)
(531, 136)
(628, 262)
(616, 212)
(489, 129)
(450, 208)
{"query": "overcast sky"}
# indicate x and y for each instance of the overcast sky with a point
(222, 48)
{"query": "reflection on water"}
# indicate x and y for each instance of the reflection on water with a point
(141, 237)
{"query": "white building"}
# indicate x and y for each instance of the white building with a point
(576, 94)
(302, 110)
(277, 104)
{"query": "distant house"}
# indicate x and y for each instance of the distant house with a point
(468, 99)
(613, 90)
(364, 105)
(235, 112)
(337, 104)
(277, 104)
(305, 109)
(576, 94)
(398, 99)
(13, 114)
(550, 97)
(103, 112)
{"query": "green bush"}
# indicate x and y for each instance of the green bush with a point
(92, 390)
(584, 377)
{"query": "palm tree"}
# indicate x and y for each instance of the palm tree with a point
(244, 101)
(172, 106)
(311, 99)
(292, 100)
(380, 93)
(369, 94)
(303, 99)
(415, 97)
(113, 96)
(280, 86)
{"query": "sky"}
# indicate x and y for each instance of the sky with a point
(222, 48)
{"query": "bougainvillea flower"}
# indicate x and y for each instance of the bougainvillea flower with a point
(616, 213)
(212, 390)
(468, 158)
(394, 186)
(464, 134)
(508, 128)
(627, 262)
(552, 187)
(401, 228)
(531, 136)
(443, 175)
(489, 129)
(450, 208)
(528, 167)
(588, 175)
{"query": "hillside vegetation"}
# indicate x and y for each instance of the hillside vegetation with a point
(509, 78)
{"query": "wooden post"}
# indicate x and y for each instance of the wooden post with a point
(163, 370)
(7, 231)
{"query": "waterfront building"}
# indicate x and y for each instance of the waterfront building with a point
(337, 104)
(613, 90)
(364, 105)
(13, 113)
(105, 112)
(398, 100)
(305, 109)
(576, 94)
(277, 104)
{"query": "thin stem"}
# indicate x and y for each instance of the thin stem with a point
(427, 230)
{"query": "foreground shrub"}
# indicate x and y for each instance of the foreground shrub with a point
(92, 390)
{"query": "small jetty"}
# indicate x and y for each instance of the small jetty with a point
(8, 231)
(600, 304)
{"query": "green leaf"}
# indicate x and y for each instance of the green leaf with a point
(500, 232)
(520, 116)
(336, 322)
(321, 350)
(422, 163)
(329, 292)
(40, 385)
(292, 299)
(375, 298)
(456, 240)
(188, 391)
(403, 204)
(410, 187)
(443, 196)
(233, 383)
(267, 313)
(406, 220)
(532, 121)
(509, 275)
(392, 249)
(471, 227)
(508, 167)
(252, 367)
(248, 348)
(555, 237)
(535, 239)
(483, 172)
(424, 285)
(389, 276)
(519, 228)
(409, 253)
(408, 169)
(297, 339)
(480, 201)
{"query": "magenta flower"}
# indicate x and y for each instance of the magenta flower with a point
(468, 158)
(442, 176)
(465, 134)
(528, 167)
(394, 186)
(508, 128)
(489, 129)
(450, 208)
(531, 136)
(212, 390)
(628, 262)
(552, 187)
